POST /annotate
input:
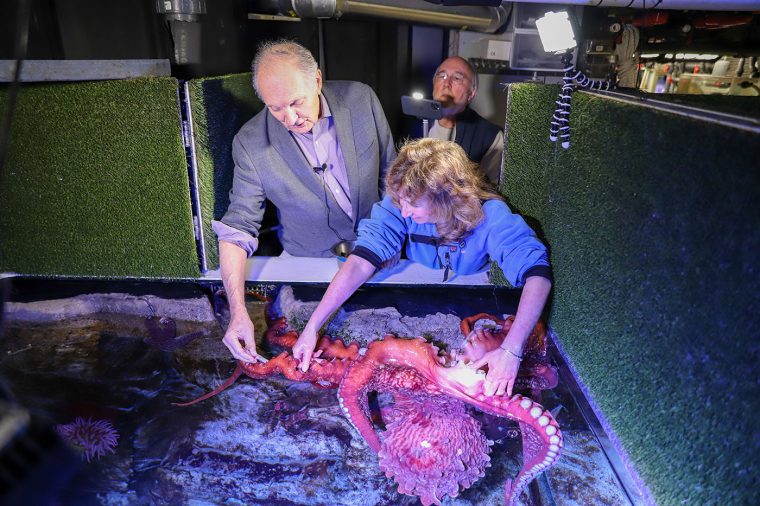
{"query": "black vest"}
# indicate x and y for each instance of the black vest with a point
(475, 134)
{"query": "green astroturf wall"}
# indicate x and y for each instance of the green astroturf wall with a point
(653, 221)
(96, 182)
(220, 106)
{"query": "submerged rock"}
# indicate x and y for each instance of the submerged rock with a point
(193, 310)
(366, 325)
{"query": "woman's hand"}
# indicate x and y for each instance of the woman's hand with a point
(350, 276)
(502, 371)
(503, 364)
(303, 350)
(240, 330)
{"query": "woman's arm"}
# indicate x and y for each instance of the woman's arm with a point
(504, 361)
(350, 276)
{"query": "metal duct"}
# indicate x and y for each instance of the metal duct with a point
(701, 5)
(478, 19)
(182, 17)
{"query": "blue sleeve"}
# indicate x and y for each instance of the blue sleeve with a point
(513, 245)
(381, 235)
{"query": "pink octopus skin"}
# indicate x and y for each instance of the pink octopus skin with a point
(542, 439)
(413, 372)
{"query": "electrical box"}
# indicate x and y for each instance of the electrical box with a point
(497, 49)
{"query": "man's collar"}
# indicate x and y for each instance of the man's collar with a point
(324, 108)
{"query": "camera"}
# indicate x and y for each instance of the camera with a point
(422, 108)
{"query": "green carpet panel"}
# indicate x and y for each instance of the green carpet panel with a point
(748, 107)
(654, 227)
(96, 182)
(220, 106)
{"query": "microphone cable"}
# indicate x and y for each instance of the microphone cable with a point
(320, 171)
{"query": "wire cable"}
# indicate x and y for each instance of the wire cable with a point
(321, 175)
(560, 124)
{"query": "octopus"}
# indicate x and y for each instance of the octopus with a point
(536, 371)
(431, 444)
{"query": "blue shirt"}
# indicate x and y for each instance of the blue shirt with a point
(502, 236)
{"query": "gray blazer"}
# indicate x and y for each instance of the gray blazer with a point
(269, 164)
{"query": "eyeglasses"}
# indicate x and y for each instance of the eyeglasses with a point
(456, 77)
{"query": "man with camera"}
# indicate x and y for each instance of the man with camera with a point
(455, 85)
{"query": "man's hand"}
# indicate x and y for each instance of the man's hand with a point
(502, 371)
(303, 350)
(241, 330)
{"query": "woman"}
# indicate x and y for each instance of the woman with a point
(440, 206)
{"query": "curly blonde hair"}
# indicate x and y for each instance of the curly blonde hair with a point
(440, 173)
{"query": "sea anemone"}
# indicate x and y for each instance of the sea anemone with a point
(94, 438)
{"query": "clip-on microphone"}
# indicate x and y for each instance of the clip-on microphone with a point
(319, 169)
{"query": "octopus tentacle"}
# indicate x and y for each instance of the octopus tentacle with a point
(352, 397)
(226, 384)
(406, 354)
(325, 373)
(468, 323)
(331, 348)
(283, 363)
(336, 348)
(322, 373)
(542, 439)
(536, 344)
(278, 334)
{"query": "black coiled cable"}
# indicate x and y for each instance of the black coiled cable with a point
(560, 124)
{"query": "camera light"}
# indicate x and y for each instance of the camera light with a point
(556, 32)
(417, 95)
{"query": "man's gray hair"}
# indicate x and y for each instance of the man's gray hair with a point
(474, 84)
(474, 76)
(282, 50)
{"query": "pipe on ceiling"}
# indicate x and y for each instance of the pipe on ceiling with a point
(473, 18)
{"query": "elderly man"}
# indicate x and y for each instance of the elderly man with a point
(455, 85)
(318, 153)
